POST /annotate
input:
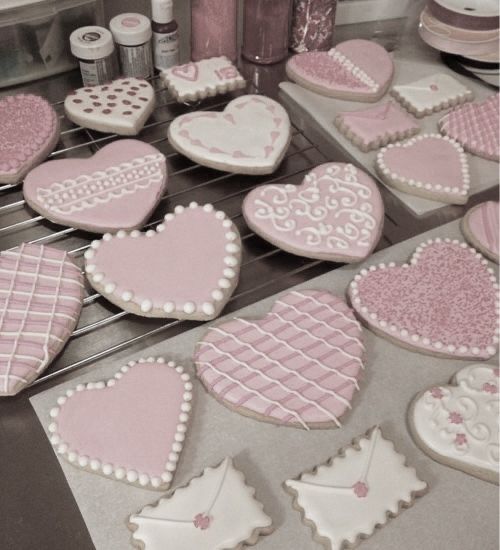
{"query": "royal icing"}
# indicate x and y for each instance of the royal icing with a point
(299, 365)
(355, 69)
(197, 80)
(28, 133)
(186, 268)
(476, 127)
(121, 106)
(444, 302)
(251, 135)
(372, 128)
(214, 511)
(429, 165)
(41, 295)
(359, 489)
(431, 94)
(481, 228)
(336, 213)
(130, 427)
(117, 188)
(459, 422)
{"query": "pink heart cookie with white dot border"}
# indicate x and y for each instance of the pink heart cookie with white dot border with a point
(130, 427)
(443, 303)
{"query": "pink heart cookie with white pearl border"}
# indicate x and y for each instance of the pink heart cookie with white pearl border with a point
(129, 428)
(251, 136)
(429, 166)
(335, 214)
(444, 302)
(355, 70)
(186, 268)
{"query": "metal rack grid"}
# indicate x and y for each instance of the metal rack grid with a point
(104, 329)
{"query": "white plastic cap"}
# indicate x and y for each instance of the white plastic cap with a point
(130, 29)
(162, 11)
(91, 42)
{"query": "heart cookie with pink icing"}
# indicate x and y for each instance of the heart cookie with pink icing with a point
(297, 366)
(443, 303)
(356, 70)
(117, 188)
(335, 214)
(130, 427)
(480, 227)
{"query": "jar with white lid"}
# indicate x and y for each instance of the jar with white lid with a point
(94, 48)
(132, 33)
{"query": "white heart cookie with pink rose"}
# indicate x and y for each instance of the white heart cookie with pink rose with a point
(356, 70)
(335, 214)
(429, 166)
(250, 136)
(117, 188)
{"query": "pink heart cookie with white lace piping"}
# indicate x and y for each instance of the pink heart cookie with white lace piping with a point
(335, 214)
(130, 427)
(443, 303)
(297, 366)
(117, 188)
(356, 70)
(250, 136)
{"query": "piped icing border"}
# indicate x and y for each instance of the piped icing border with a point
(94, 464)
(358, 73)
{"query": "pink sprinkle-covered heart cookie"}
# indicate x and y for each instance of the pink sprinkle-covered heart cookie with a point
(29, 131)
(298, 366)
(357, 70)
(117, 188)
(130, 427)
(41, 295)
(429, 166)
(185, 269)
(480, 227)
(335, 214)
(443, 303)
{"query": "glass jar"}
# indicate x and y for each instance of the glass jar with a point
(312, 25)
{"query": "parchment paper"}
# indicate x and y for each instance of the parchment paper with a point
(459, 512)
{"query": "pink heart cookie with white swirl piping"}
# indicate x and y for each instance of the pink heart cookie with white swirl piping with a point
(130, 427)
(28, 133)
(335, 214)
(444, 302)
(297, 366)
(355, 70)
(117, 188)
(186, 268)
(480, 227)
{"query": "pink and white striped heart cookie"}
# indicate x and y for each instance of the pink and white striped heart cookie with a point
(480, 227)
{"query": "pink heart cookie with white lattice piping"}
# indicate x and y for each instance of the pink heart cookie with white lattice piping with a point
(297, 366)
(443, 303)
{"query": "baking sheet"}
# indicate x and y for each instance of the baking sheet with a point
(459, 512)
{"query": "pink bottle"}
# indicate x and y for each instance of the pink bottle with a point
(214, 29)
(312, 25)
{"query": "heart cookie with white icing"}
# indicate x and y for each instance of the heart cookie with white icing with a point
(186, 268)
(335, 214)
(130, 427)
(119, 107)
(356, 70)
(457, 424)
(298, 366)
(429, 166)
(443, 303)
(117, 188)
(250, 136)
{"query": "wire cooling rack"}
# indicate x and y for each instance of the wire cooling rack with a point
(104, 329)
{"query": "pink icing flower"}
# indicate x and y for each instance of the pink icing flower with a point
(490, 388)
(434, 87)
(436, 393)
(360, 489)
(496, 372)
(455, 418)
(201, 521)
(461, 439)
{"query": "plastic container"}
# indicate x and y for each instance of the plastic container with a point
(312, 25)
(165, 34)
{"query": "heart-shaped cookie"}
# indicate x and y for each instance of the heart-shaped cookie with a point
(457, 424)
(480, 227)
(185, 269)
(356, 70)
(429, 166)
(41, 295)
(297, 366)
(335, 214)
(250, 136)
(130, 427)
(120, 107)
(117, 188)
(28, 133)
(443, 303)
